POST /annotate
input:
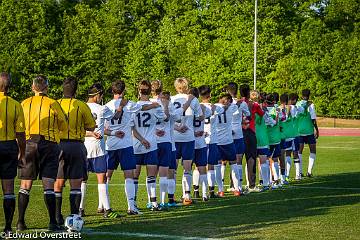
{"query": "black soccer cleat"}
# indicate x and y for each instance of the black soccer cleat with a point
(21, 226)
(205, 199)
(60, 220)
(309, 175)
(196, 194)
(82, 212)
(55, 228)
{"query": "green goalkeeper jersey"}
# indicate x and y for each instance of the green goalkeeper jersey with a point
(262, 138)
(274, 131)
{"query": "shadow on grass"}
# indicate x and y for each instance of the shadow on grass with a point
(246, 216)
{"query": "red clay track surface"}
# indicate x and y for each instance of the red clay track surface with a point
(352, 132)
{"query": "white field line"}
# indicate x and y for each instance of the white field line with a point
(337, 147)
(142, 235)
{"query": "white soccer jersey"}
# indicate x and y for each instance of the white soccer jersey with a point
(145, 124)
(187, 118)
(243, 109)
(210, 126)
(124, 124)
(224, 126)
(199, 126)
(96, 147)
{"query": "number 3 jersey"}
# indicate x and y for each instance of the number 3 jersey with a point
(124, 124)
(145, 122)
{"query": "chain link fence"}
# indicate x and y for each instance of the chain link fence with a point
(339, 121)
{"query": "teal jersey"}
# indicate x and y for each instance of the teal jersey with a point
(262, 138)
(274, 131)
(305, 123)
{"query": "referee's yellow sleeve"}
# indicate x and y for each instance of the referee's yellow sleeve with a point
(20, 120)
(60, 115)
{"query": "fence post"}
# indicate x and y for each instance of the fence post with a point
(334, 122)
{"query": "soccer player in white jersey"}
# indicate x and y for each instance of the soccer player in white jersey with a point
(210, 129)
(243, 111)
(226, 142)
(145, 140)
(96, 154)
(119, 144)
(184, 133)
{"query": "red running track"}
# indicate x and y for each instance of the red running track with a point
(352, 132)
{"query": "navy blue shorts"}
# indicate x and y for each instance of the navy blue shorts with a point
(239, 145)
(173, 163)
(149, 158)
(309, 139)
(164, 154)
(296, 144)
(185, 150)
(282, 144)
(227, 152)
(213, 154)
(275, 151)
(97, 164)
(124, 156)
(263, 151)
(200, 157)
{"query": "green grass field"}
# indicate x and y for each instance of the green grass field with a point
(324, 207)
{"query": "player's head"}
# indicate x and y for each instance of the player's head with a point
(305, 94)
(118, 87)
(205, 92)
(144, 87)
(70, 85)
(245, 91)
(195, 92)
(225, 99)
(181, 85)
(262, 97)
(166, 95)
(156, 87)
(284, 98)
(232, 88)
(96, 92)
(254, 95)
(276, 97)
(293, 97)
(40, 84)
(270, 100)
(4, 82)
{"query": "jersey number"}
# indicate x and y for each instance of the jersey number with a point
(221, 120)
(143, 123)
(118, 120)
(178, 105)
(196, 122)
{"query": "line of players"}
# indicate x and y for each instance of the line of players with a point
(157, 131)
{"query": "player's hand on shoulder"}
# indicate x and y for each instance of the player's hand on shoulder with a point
(199, 133)
(160, 133)
(119, 134)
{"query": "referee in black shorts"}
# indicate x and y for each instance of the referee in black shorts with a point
(43, 120)
(12, 147)
(73, 158)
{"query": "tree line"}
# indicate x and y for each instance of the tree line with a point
(301, 44)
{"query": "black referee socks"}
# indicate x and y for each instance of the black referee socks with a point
(49, 198)
(9, 209)
(75, 199)
(23, 202)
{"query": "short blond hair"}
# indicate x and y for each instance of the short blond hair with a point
(181, 85)
(254, 95)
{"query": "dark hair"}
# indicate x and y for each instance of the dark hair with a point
(227, 96)
(194, 91)
(4, 82)
(146, 83)
(95, 89)
(293, 96)
(40, 82)
(204, 90)
(245, 90)
(166, 93)
(270, 98)
(276, 97)
(70, 86)
(232, 88)
(306, 94)
(284, 98)
(118, 87)
(262, 97)
(156, 87)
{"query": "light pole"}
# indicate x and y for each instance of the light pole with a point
(255, 44)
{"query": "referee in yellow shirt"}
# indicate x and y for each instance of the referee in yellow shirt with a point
(12, 146)
(73, 165)
(44, 119)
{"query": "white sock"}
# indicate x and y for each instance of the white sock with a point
(187, 179)
(130, 192)
(103, 195)
(171, 186)
(218, 178)
(211, 178)
(163, 182)
(265, 174)
(195, 177)
(151, 189)
(223, 168)
(312, 158)
(148, 189)
(275, 168)
(235, 176)
(246, 175)
(270, 173)
(204, 184)
(83, 193)
(297, 168)
(300, 159)
(288, 165)
(240, 171)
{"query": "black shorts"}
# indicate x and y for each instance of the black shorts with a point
(73, 159)
(41, 159)
(250, 144)
(9, 151)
